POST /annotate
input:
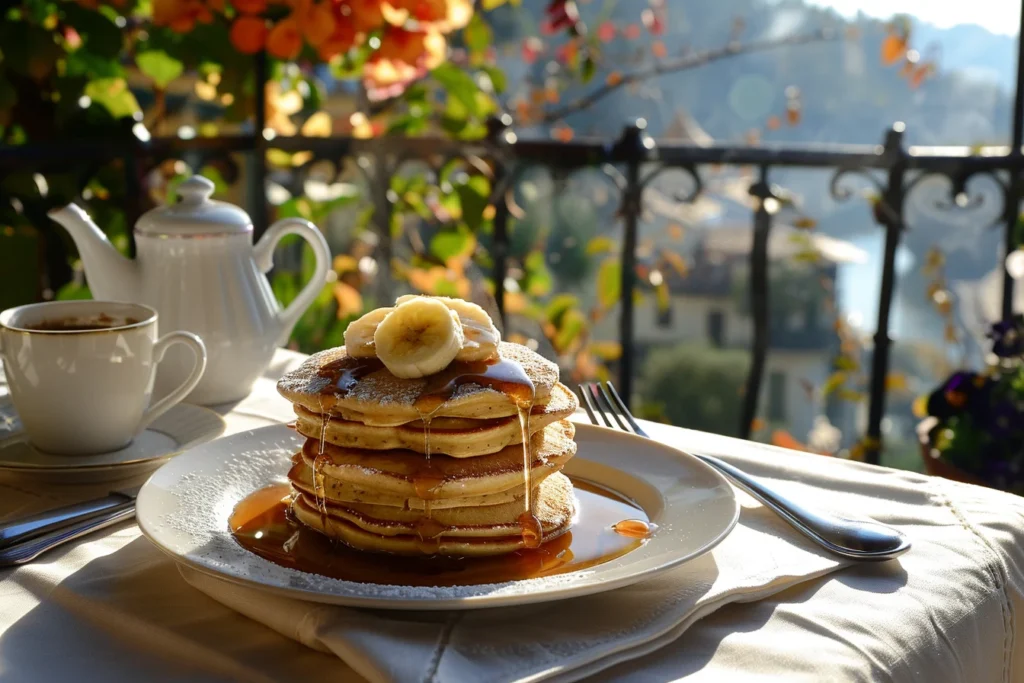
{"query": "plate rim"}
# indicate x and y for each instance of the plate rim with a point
(473, 602)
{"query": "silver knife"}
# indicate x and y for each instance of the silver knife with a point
(28, 550)
(20, 530)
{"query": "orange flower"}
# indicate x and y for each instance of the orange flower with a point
(250, 6)
(285, 39)
(316, 21)
(442, 15)
(366, 15)
(403, 57)
(181, 15)
(340, 41)
(166, 11)
(248, 34)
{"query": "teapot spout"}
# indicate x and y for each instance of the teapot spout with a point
(110, 275)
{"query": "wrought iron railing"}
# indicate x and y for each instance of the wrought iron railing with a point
(891, 168)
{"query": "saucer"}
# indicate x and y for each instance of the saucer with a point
(180, 428)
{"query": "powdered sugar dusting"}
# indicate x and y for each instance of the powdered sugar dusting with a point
(185, 506)
(200, 500)
(382, 391)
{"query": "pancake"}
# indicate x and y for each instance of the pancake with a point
(552, 500)
(379, 398)
(554, 507)
(301, 478)
(408, 474)
(454, 436)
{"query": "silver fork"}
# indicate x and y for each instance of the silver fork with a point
(863, 540)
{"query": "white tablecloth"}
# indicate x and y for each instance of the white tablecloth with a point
(113, 608)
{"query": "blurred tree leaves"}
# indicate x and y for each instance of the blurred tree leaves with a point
(159, 66)
(609, 282)
(113, 93)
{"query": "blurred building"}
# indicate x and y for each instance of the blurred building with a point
(708, 304)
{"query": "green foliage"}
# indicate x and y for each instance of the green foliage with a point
(451, 244)
(696, 386)
(559, 305)
(538, 278)
(159, 66)
(473, 196)
(113, 93)
(609, 282)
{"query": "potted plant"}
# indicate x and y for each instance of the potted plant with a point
(974, 429)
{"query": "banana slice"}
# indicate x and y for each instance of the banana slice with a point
(418, 338)
(482, 336)
(359, 334)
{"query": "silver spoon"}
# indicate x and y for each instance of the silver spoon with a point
(862, 540)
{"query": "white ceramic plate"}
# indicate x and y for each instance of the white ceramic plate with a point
(185, 505)
(179, 428)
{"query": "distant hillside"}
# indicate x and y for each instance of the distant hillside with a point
(973, 51)
(847, 95)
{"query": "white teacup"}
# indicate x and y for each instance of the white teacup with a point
(81, 372)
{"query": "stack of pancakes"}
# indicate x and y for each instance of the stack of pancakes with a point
(380, 474)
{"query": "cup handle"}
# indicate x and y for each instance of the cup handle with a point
(172, 399)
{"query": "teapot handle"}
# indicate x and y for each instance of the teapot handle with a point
(263, 252)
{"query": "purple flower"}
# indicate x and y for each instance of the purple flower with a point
(1007, 339)
(952, 396)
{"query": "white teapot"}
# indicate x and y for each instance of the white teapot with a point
(197, 266)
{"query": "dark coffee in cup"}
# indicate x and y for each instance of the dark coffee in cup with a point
(99, 322)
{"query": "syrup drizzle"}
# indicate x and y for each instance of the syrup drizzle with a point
(501, 374)
(344, 374)
(508, 377)
(319, 492)
(533, 532)
(261, 524)
(425, 482)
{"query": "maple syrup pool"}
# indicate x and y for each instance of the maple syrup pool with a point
(607, 527)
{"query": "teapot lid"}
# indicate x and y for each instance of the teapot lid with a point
(195, 214)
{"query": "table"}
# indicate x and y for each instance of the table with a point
(113, 608)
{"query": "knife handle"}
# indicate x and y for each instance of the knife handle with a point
(32, 548)
(29, 527)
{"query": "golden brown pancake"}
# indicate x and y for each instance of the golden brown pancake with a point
(461, 531)
(408, 474)
(455, 436)
(381, 399)
(301, 478)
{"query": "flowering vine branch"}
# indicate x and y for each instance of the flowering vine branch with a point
(684, 63)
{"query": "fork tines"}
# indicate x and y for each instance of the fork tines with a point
(601, 398)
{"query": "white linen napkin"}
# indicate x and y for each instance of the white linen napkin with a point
(557, 641)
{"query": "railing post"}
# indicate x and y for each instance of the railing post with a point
(258, 181)
(634, 144)
(1011, 212)
(500, 139)
(378, 172)
(888, 213)
(133, 191)
(758, 300)
(1011, 202)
